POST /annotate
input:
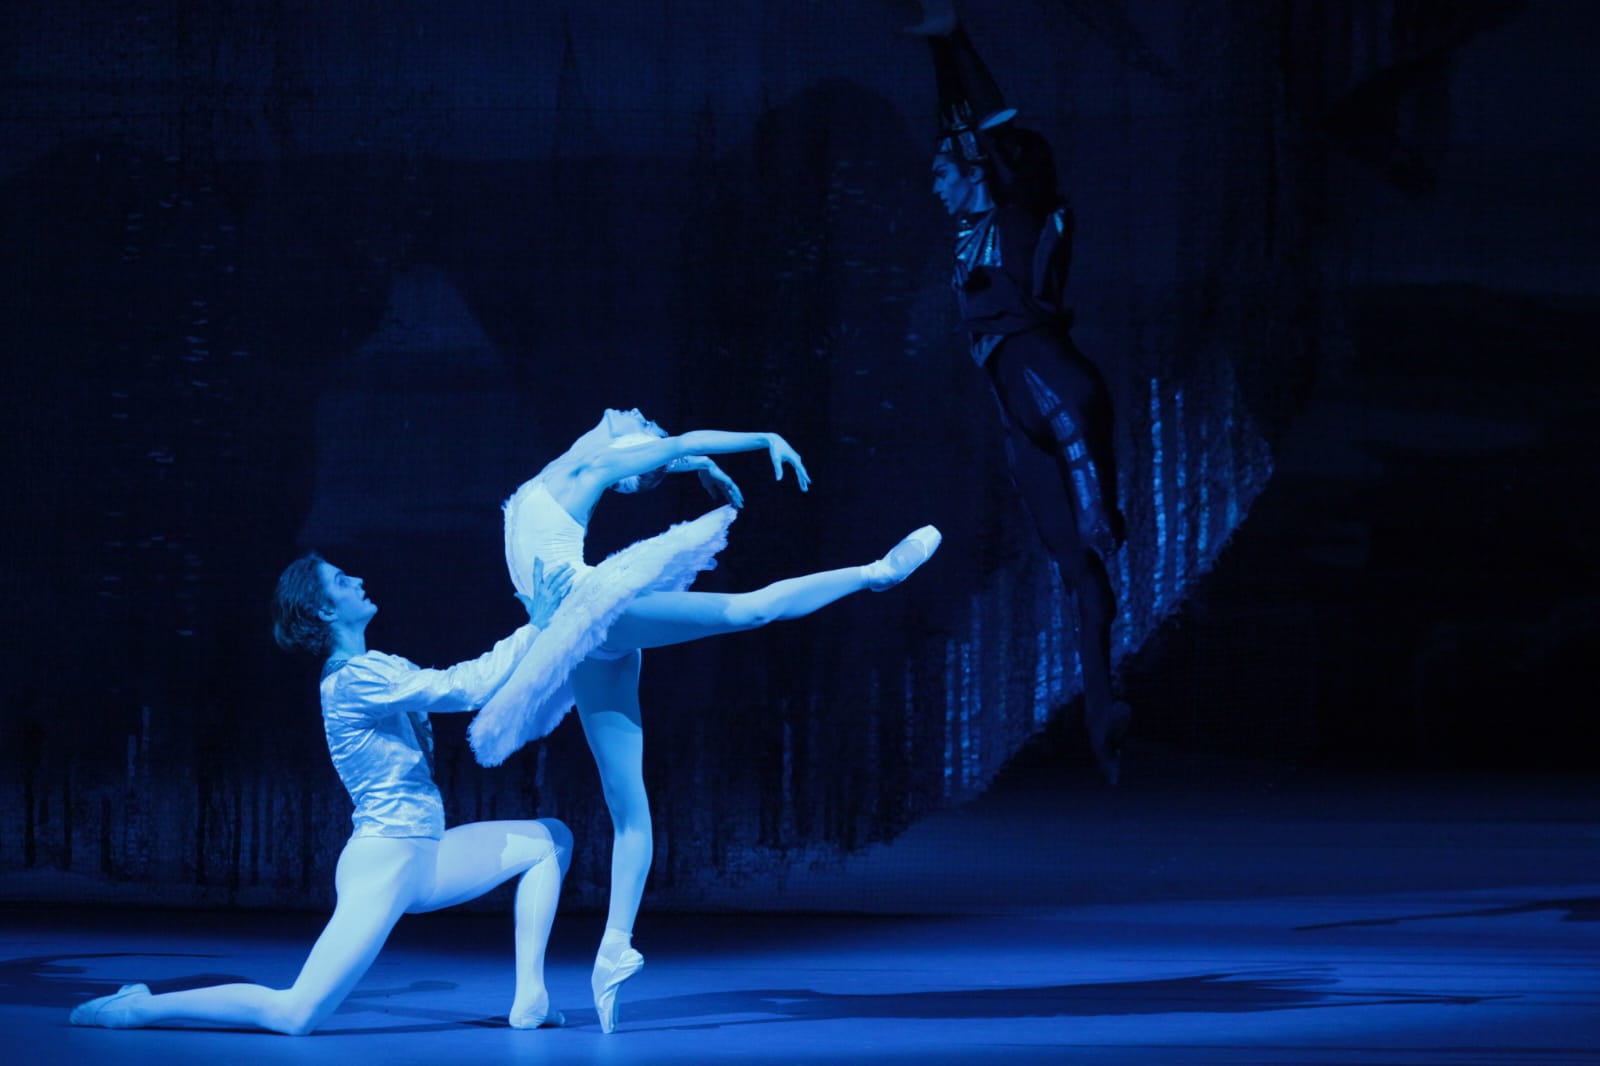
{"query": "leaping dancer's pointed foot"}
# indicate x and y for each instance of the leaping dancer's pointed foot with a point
(903, 558)
(1106, 731)
(938, 20)
(109, 1012)
(608, 976)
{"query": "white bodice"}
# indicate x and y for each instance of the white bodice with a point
(540, 528)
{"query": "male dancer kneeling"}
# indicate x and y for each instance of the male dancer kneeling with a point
(400, 858)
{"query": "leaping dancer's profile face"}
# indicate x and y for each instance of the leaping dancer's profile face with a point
(346, 598)
(956, 187)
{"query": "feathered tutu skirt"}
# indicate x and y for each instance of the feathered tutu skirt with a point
(538, 694)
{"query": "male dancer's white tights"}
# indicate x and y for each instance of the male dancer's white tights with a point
(378, 879)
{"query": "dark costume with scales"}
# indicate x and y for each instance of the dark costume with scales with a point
(1051, 398)
(1009, 275)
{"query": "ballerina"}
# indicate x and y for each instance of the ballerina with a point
(400, 859)
(633, 600)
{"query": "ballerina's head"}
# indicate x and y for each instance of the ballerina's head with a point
(629, 429)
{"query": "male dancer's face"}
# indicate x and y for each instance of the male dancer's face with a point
(347, 601)
(958, 189)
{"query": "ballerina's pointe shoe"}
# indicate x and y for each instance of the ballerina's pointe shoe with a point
(1106, 731)
(608, 976)
(903, 558)
(104, 1011)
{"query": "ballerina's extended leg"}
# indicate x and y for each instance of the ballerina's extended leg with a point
(664, 618)
(606, 690)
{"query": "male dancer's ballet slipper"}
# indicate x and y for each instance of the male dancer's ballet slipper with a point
(94, 1011)
(903, 558)
(607, 978)
(1105, 737)
(550, 1018)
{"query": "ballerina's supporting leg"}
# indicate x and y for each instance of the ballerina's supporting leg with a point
(607, 694)
(606, 691)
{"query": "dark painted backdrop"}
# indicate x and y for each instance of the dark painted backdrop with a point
(290, 275)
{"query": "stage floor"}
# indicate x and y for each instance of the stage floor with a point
(1251, 916)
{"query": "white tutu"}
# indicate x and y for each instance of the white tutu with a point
(539, 692)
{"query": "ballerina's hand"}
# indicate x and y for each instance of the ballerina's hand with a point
(548, 592)
(719, 484)
(781, 453)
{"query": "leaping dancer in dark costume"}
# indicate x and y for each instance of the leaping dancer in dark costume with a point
(1013, 250)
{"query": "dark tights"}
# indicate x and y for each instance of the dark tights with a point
(1058, 424)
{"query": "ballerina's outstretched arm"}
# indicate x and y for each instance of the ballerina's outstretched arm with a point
(718, 485)
(606, 467)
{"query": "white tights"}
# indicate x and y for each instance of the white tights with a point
(378, 879)
(606, 691)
